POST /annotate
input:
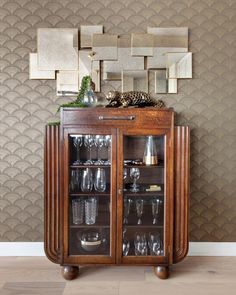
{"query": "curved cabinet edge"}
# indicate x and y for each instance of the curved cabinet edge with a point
(181, 192)
(51, 193)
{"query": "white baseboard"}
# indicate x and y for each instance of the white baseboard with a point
(195, 249)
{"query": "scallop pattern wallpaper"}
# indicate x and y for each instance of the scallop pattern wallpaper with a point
(207, 103)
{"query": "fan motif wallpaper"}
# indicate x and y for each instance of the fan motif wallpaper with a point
(207, 103)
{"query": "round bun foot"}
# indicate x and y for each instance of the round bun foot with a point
(162, 272)
(69, 272)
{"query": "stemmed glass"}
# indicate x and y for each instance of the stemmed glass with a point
(139, 209)
(87, 180)
(89, 143)
(78, 142)
(154, 243)
(134, 174)
(100, 180)
(140, 244)
(155, 210)
(125, 174)
(107, 144)
(125, 244)
(127, 204)
(99, 143)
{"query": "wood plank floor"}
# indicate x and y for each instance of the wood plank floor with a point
(195, 275)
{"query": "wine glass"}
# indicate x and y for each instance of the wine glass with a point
(100, 180)
(155, 210)
(89, 143)
(87, 180)
(78, 142)
(127, 204)
(139, 209)
(154, 243)
(140, 244)
(99, 143)
(125, 245)
(107, 144)
(125, 174)
(134, 174)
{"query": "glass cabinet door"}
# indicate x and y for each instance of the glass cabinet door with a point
(143, 198)
(89, 202)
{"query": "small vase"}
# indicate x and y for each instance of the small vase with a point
(150, 154)
(90, 98)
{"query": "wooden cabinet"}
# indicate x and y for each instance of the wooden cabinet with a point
(104, 202)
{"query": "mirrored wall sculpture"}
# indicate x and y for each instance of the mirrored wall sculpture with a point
(67, 83)
(166, 40)
(163, 84)
(126, 58)
(142, 44)
(104, 46)
(89, 67)
(112, 69)
(57, 49)
(179, 65)
(86, 35)
(134, 81)
(35, 73)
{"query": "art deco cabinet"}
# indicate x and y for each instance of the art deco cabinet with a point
(116, 189)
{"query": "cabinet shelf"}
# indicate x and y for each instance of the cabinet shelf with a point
(89, 166)
(86, 226)
(143, 226)
(90, 194)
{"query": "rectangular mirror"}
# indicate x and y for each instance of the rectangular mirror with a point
(179, 65)
(163, 84)
(134, 81)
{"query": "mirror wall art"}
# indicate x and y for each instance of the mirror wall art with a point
(67, 55)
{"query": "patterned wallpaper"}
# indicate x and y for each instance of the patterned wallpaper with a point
(207, 103)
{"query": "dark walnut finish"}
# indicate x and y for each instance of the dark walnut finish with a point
(119, 123)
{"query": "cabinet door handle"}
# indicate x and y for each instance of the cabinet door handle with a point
(129, 118)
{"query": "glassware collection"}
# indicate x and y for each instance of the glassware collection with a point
(143, 196)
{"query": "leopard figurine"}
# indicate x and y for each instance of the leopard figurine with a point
(132, 98)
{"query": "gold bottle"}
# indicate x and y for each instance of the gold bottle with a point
(150, 154)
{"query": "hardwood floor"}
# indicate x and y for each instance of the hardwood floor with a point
(195, 275)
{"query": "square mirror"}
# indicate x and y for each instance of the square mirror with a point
(179, 65)
(163, 84)
(134, 81)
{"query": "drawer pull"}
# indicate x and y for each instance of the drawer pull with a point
(130, 118)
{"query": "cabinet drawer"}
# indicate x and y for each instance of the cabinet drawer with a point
(150, 117)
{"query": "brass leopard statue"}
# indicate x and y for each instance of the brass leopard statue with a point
(132, 98)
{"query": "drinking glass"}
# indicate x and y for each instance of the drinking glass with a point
(89, 143)
(74, 180)
(127, 204)
(107, 144)
(125, 174)
(91, 205)
(134, 174)
(87, 180)
(139, 209)
(154, 243)
(78, 211)
(140, 244)
(99, 143)
(100, 180)
(78, 142)
(125, 245)
(155, 210)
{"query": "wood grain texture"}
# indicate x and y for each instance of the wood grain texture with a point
(181, 192)
(51, 192)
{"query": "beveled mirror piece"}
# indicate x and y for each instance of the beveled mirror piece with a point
(67, 83)
(104, 46)
(179, 65)
(134, 81)
(112, 69)
(35, 73)
(142, 44)
(88, 67)
(57, 49)
(166, 40)
(86, 34)
(163, 84)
